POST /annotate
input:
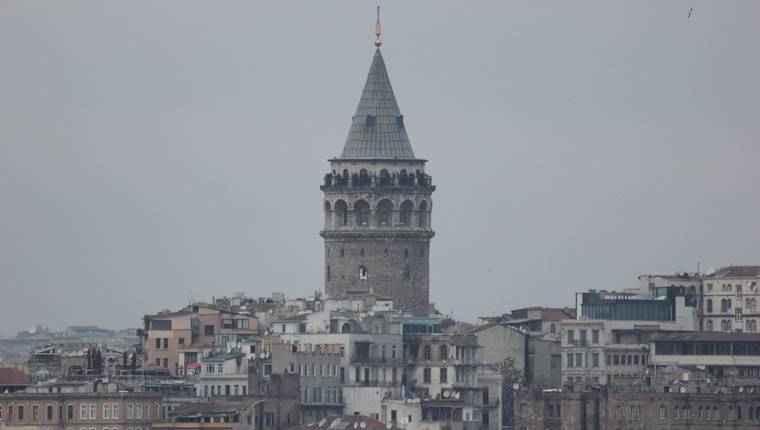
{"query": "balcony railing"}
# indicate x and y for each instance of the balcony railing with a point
(378, 361)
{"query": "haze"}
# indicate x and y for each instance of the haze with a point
(157, 152)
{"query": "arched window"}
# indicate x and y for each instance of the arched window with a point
(385, 178)
(346, 328)
(384, 209)
(341, 212)
(709, 325)
(426, 353)
(552, 328)
(422, 215)
(405, 214)
(361, 208)
(363, 273)
(385, 252)
(663, 412)
(407, 273)
(342, 252)
(444, 352)
(716, 413)
(700, 414)
(709, 306)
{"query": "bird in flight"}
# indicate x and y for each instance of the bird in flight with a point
(691, 10)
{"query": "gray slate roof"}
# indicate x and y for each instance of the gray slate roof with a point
(377, 129)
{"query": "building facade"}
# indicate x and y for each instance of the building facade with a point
(731, 297)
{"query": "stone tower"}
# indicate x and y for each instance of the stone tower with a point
(377, 204)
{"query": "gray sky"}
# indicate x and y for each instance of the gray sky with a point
(154, 151)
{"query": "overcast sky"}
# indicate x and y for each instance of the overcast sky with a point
(154, 152)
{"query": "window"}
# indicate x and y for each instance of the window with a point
(709, 325)
(166, 343)
(738, 314)
(363, 273)
(595, 336)
(663, 412)
(50, 412)
(407, 273)
(444, 375)
(426, 352)
(422, 215)
(361, 208)
(341, 213)
(220, 367)
(426, 375)
(569, 359)
(35, 413)
(595, 359)
(709, 306)
(552, 328)
(92, 411)
(444, 352)
(579, 359)
(158, 343)
(130, 411)
(384, 212)
(70, 412)
(208, 330)
(20, 412)
(405, 214)
(83, 412)
(106, 411)
(583, 337)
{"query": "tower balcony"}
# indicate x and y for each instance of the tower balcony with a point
(389, 183)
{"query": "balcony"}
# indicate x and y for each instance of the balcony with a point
(377, 361)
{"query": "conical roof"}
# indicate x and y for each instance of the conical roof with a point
(377, 129)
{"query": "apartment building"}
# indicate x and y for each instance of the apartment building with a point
(731, 296)
(174, 340)
(76, 409)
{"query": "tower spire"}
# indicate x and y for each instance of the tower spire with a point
(378, 42)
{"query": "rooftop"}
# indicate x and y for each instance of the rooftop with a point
(377, 128)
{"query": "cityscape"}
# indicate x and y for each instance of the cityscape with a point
(370, 348)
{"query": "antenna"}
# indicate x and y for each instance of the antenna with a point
(378, 41)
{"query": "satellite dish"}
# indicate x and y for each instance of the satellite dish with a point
(456, 395)
(683, 389)
(356, 425)
(261, 355)
(446, 394)
(388, 426)
(363, 425)
(515, 386)
(371, 313)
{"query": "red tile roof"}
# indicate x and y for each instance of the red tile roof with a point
(11, 376)
(555, 314)
(737, 272)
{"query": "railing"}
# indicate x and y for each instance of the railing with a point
(382, 361)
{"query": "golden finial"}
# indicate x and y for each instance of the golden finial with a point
(378, 42)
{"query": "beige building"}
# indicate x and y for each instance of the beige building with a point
(174, 340)
(731, 296)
